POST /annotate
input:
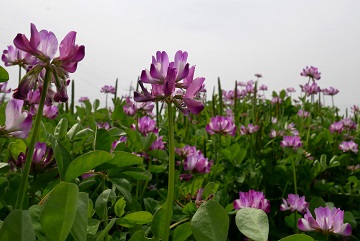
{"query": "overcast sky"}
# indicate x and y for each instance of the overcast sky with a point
(232, 40)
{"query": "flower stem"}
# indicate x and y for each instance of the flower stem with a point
(294, 174)
(171, 178)
(31, 148)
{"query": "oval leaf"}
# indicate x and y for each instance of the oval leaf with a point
(79, 228)
(132, 219)
(297, 237)
(4, 75)
(101, 202)
(253, 223)
(86, 162)
(17, 226)
(59, 211)
(210, 222)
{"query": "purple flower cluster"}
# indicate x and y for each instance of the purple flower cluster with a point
(145, 126)
(294, 203)
(331, 91)
(108, 89)
(3, 88)
(291, 141)
(17, 123)
(39, 54)
(131, 108)
(347, 146)
(252, 199)
(311, 72)
(194, 162)
(249, 129)
(221, 125)
(172, 82)
(327, 221)
(310, 89)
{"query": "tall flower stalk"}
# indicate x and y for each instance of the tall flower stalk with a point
(174, 84)
(171, 178)
(31, 148)
(45, 69)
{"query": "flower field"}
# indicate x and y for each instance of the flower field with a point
(176, 160)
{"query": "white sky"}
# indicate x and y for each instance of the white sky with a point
(232, 40)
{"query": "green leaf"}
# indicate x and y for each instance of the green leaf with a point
(210, 222)
(124, 186)
(210, 189)
(182, 232)
(157, 225)
(106, 230)
(59, 211)
(79, 228)
(102, 140)
(349, 218)
(140, 236)
(4, 75)
(291, 221)
(17, 146)
(63, 158)
(135, 138)
(74, 130)
(96, 104)
(120, 207)
(35, 212)
(61, 129)
(148, 141)
(135, 218)
(4, 167)
(93, 226)
(121, 159)
(86, 162)
(136, 173)
(158, 154)
(17, 226)
(101, 202)
(253, 223)
(297, 237)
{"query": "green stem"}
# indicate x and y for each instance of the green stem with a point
(34, 137)
(294, 174)
(217, 144)
(171, 178)
(20, 73)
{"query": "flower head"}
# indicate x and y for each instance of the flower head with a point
(347, 146)
(18, 123)
(146, 125)
(331, 91)
(336, 127)
(108, 89)
(3, 88)
(221, 125)
(172, 82)
(197, 163)
(291, 141)
(327, 220)
(294, 202)
(311, 72)
(252, 199)
(249, 129)
(43, 46)
(83, 98)
(310, 89)
(14, 56)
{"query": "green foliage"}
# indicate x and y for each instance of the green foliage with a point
(253, 223)
(4, 75)
(210, 222)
